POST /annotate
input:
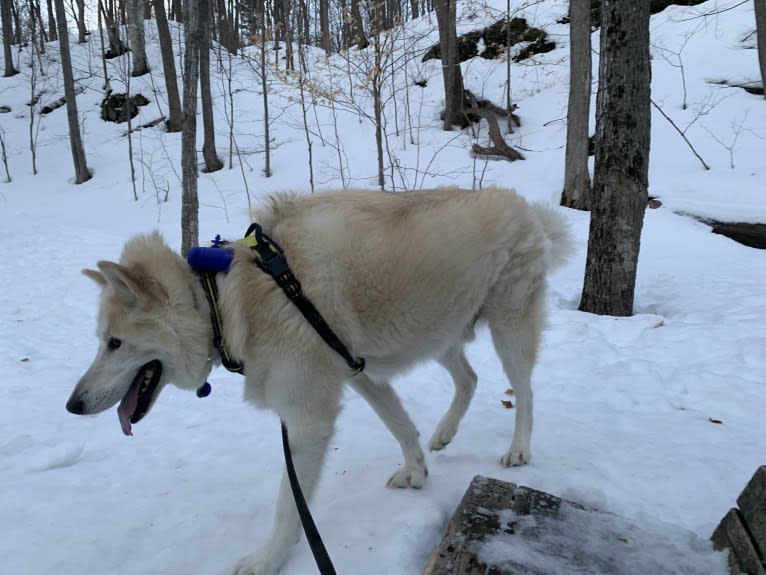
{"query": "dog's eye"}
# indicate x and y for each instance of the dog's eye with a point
(113, 343)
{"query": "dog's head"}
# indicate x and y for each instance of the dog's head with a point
(153, 329)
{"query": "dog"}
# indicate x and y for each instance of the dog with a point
(399, 277)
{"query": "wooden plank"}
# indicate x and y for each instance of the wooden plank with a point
(752, 504)
(500, 528)
(477, 515)
(731, 534)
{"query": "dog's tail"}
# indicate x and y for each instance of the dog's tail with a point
(559, 234)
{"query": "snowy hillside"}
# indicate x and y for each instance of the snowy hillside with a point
(658, 417)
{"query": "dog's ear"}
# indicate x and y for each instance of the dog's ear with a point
(125, 284)
(96, 276)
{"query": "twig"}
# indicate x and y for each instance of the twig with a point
(682, 134)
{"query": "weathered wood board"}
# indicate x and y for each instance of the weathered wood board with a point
(500, 528)
(743, 531)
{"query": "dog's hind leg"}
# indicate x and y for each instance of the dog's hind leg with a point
(384, 401)
(309, 435)
(516, 337)
(464, 378)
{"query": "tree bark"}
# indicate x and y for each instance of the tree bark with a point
(622, 159)
(760, 27)
(212, 162)
(7, 22)
(576, 193)
(136, 37)
(324, 26)
(82, 174)
(174, 122)
(357, 28)
(190, 199)
(446, 18)
(80, 21)
(52, 32)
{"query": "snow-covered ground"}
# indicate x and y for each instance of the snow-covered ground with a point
(658, 417)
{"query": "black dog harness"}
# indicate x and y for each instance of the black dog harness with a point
(270, 258)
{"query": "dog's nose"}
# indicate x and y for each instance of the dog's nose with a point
(75, 405)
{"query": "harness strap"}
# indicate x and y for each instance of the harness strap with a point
(271, 259)
(322, 558)
(211, 292)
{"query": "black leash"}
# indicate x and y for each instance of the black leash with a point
(270, 258)
(322, 558)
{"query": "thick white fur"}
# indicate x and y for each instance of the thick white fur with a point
(400, 278)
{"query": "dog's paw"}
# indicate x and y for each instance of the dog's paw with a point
(514, 457)
(256, 564)
(413, 476)
(442, 436)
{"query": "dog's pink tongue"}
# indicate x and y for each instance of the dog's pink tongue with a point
(127, 408)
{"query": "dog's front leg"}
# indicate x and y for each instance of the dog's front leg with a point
(309, 436)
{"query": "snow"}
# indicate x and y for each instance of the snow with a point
(582, 541)
(627, 409)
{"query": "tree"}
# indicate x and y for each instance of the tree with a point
(82, 174)
(52, 32)
(174, 122)
(446, 17)
(135, 17)
(760, 27)
(622, 159)
(357, 29)
(190, 199)
(212, 162)
(6, 12)
(576, 192)
(82, 31)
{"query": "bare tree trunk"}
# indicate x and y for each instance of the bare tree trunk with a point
(116, 47)
(135, 10)
(190, 200)
(453, 78)
(82, 31)
(174, 122)
(622, 159)
(265, 88)
(212, 162)
(577, 191)
(7, 23)
(760, 27)
(357, 28)
(82, 174)
(52, 32)
(377, 84)
(324, 26)
(287, 34)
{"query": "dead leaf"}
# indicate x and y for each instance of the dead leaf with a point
(509, 391)
(660, 324)
(507, 403)
(714, 420)
(623, 539)
(24, 359)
